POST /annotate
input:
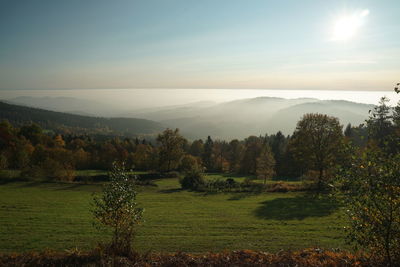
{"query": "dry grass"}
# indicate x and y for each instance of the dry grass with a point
(98, 257)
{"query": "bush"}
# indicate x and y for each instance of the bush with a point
(49, 170)
(249, 186)
(219, 185)
(193, 180)
(286, 187)
(230, 185)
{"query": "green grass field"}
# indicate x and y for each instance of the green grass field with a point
(36, 215)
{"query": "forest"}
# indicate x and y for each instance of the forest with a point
(314, 149)
(66, 123)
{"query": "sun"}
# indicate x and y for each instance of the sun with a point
(347, 26)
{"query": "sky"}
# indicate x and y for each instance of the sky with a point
(227, 44)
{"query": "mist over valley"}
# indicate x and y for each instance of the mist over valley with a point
(227, 119)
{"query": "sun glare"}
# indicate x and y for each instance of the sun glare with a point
(347, 26)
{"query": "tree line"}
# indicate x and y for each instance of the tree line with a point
(313, 150)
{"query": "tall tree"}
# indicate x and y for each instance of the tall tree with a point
(235, 155)
(278, 143)
(265, 164)
(253, 147)
(220, 151)
(379, 122)
(348, 132)
(170, 149)
(317, 141)
(197, 148)
(143, 158)
(208, 154)
(396, 115)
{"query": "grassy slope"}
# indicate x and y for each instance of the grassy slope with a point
(40, 215)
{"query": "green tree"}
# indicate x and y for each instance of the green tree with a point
(197, 148)
(265, 164)
(380, 122)
(145, 157)
(253, 148)
(116, 207)
(220, 152)
(235, 155)
(32, 132)
(170, 149)
(369, 188)
(348, 132)
(189, 163)
(208, 154)
(278, 143)
(317, 143)
(396, 115)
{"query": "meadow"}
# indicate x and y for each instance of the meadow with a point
(40, 215)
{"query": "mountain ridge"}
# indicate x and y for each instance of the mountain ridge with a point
(53, 120)
(232, 119)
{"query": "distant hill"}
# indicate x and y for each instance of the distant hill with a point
(345, 111)
(169, 112)
(19, 115)
(66, 104)
(265, 105)
(255, 116)
(228, 120)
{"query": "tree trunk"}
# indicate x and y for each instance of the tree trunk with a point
(320, 176)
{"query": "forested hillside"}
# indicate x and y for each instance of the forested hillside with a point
(20, 115)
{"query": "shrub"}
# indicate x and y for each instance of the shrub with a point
(279, 187)
(219, 185)
(50, 169)
(286, 187)
(193, 180)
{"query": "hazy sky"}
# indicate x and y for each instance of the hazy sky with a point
(336, 45)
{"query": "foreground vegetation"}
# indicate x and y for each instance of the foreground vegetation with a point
(37, 215)
(308, 257)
